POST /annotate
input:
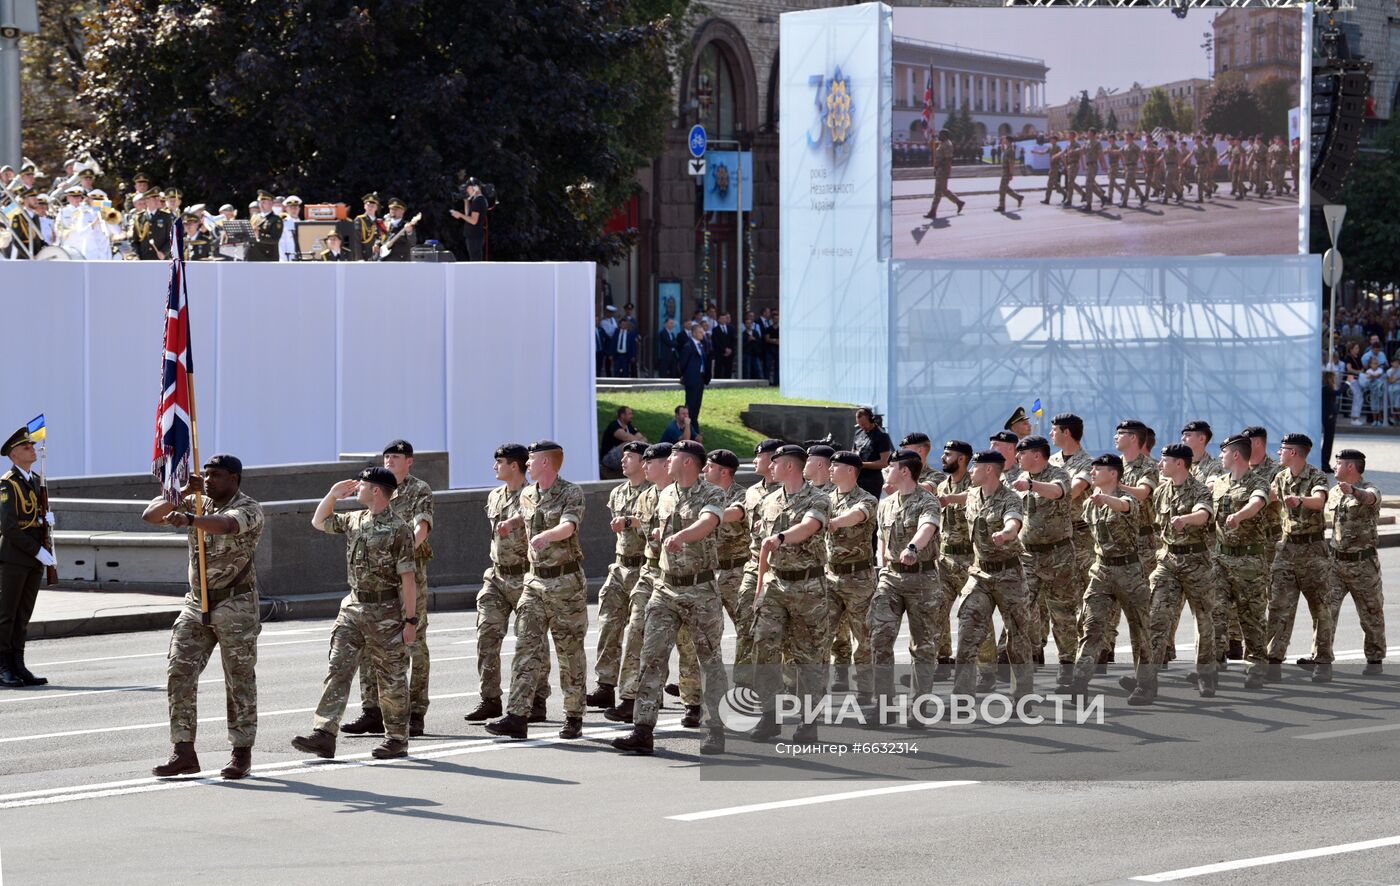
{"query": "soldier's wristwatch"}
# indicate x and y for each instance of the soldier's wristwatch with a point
(411, 620)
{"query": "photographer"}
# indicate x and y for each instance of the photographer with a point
(475, 208)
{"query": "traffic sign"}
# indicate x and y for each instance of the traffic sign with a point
(697, 166)
(1333, 213)
(698, 141)
(1332, 268)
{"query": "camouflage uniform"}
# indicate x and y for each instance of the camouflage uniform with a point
(1116, 582)
(630, 674)
(501, 586)
(791, 614)
(955, 557)
(743, 645)
(1241, 553)
(850, 581)
(1186, 571)
(1206, 469)
(378, 553)
(1049, 561)
(1302, 565)
(413, 502)
(912, 591)
(1135, 473)
(622, 578)
(1268, 469)
(684, 594)
(732, 540)
(1355, 568)
(233, 624)
(995, 582)
(554, 602)
(1078, 466)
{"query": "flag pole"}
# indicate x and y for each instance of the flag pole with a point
(194, 446)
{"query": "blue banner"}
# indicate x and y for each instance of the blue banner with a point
(726, 174)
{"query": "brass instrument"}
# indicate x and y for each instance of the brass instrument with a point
(111, 215)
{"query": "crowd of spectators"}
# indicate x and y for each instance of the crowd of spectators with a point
(619, 344)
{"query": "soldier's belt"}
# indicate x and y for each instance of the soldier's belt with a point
(997, 565)
(219, 595)
(517, 569)
(1145, 530)
(1354, 556)
(685, 581)
(630, 561)
(1305, 538)
(555, 571)
(957, 550)
(798, 574)
(1118, 561)
(1246, 551)
(374, 596)
(850, 568)
(1196, 548)
(1050, 546)
(1081, 527)
(733, 564)
(923, 566)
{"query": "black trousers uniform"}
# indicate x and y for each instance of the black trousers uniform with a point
(22, 532)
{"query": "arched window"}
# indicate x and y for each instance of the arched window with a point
(714, 91)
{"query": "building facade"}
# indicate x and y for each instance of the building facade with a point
(1259, 43)
(1126, 105)
(1372, 30)
(1005, 94)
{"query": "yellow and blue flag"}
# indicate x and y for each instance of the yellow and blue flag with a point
(1036, 409)
(37, 431)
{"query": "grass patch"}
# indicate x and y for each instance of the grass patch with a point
(652, 411)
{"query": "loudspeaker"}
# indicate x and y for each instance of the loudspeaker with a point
(1339, 104)
(430, 254)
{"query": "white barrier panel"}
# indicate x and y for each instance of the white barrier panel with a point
(302, 362)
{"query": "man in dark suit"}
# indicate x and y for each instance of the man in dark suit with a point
(722, 340)
(667, 342)
(23, 530)
(624, 349)
(693, 365)
(602, 348)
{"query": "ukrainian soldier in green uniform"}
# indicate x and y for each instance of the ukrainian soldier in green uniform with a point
(1353, 506)
(688, 511)
(955, 551)
(1303, 563)
(753, 508)
(850, 569)
(1132, 156)
(502, 584)
(628, 554)
(1008, 170)
(376, 618)
(941, 149)
(1115, 578)
(232, 524)
(1053, 180)
(1240, 497)
(267, 231)
(554, 603)
(1066, 432)
(24, 528)
(369, 229)
(791, 608)
(1050, 568)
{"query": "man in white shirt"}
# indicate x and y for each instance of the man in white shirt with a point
(287, 243)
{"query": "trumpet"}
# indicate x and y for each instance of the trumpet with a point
(111, 215)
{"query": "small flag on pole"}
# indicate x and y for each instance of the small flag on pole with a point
(171, 460)
(1036, 410)
(37, 431)
(928, 99)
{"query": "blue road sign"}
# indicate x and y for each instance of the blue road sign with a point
(697, 141)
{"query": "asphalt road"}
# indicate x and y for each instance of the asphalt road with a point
(1186, 783)
(1220, 227)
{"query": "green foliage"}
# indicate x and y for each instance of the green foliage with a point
(1157, 111)
(1183, 118)
(1112, 122)
(962, 131)
(1274, 98)
(652, 411)
(51, 69)
(1233, 108)
(1372, 227)
(1086, 116)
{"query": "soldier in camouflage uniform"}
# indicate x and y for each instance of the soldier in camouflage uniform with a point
(502, 584)
(1115, 576)
(995, 580)
(374, 618)
(1093, 151)
(1204, 466)
(554, 603)
(1008, 170)
(1240, 497)
(1303, 563)
(688, 512)
(955, 552)
(1066, 430)
(850, 570)
(1352, 508)
(1139, 480)
(753, 508)
(413, 502)
(232, 524)
(930, 476)
(623, 504)
(791, 608)
(941, 149)
(1049, 564)
(1267, 469)
(1052, 182)
(1132, 156)
(732, 536)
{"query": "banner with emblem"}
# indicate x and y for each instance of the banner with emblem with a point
(726, 174)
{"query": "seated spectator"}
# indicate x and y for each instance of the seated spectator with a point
(681, 428)
(619, 431)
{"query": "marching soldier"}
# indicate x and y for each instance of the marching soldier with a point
(1049, 564)
(1171, 171)
(955, 553)
(732, 537)
(1293, 164)
(374, 617)
(688, 512)
(626, 567)
(929, 476)
(554, 602)
(1267, 468)
(1070, 163)
(1066, 432)
(1008, 169)
(1113, 156)
(1204, 466)
(942, 152)
(23, 556)
(1259, 167)
(369, 230)
(502, 584)
(232, 524)
(1352, 508)
(1093, 150)
(1278, 161)
(1140, 479)
(412, 501)
(753, 508)
(333, 250)
(1302, 564)
(267, 231)
(1053, 180)
(1236, 168)
(1239, 497)
(850, 571)
(1132, 155)
(1152, 168)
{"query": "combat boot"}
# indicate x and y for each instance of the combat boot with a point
(1205, 685)
(1065, 677)
(319, 742)
(8, 678)
(1322, 673)
(1274, 672)
(805, 732)
(944, 669)
(510, 726)
(1102, 666)
(573, 728)
(1235, 652)
(391, 749)
(484, 710)
(842, 681)
(1254, 681)
(602, 697)
(370, 720)
(713, 743)
(1141, 697)
(692, 716)
(539, 711)
(1128, 683)
(767, 728)
(986, 682)
(23, 672)
(621, 712)
(239, 765)
(415, 725)
(1373, 668)
(1306, 664)
(638, 741)
(673, 690)
(183, 761)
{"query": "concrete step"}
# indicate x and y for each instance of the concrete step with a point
(128, 558)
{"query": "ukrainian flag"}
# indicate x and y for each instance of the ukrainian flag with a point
(37, 431)
(1036, 410)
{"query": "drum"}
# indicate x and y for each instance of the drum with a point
(58, 253)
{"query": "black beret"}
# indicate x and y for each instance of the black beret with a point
(915, 439)
(1237, 438)
(1197, 426)
(791, 449)
(1067, 420)
(724, 458)
(960, 446)
(1108, 460)
(230, 463)
(1255, 432)
(1297, 440)
(381, 477)
(657, 450)
(847, 457)
(398, 447)
(821, 450)
(1352, 455)
(908, 457)
(1034, 441)
(769, 445)
(690, 447)
(989, 457)
(636, 447)
(511, 450)
(1178, 450)
(1132, 424)
(1002, 437)
(545, 446)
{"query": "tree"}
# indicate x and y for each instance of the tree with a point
(1232, 109)
(1086, 116)
(1157, 111)
(961, 131)
(52, 68)
(1112, 122)
(1275, 97)
(1372, 227)
(331, 100)
(1183, 118)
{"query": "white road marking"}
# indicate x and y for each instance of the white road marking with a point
(1187, 873)
(1341, 733)
(822, 798)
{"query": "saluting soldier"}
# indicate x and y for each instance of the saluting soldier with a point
(1049, 563)
(1240, 497)
(955, 551)
(850, 569)
(23, 556)
(232, 524)
(942, 151)
(376, 618)
(1302, 564)
(369, 229)
(198, 245)
(623, 572)
(267, 231)
(1353, 506)
(1008, 169)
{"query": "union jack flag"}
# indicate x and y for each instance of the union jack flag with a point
(928, 98)
(172, 459)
